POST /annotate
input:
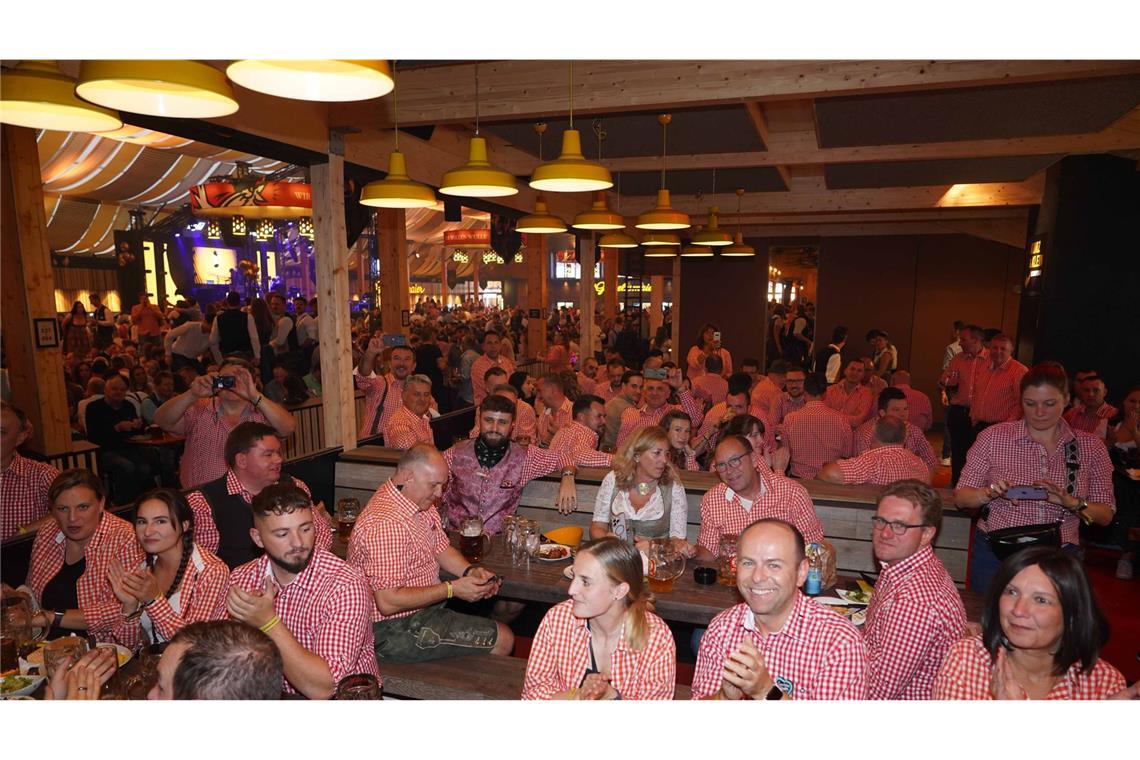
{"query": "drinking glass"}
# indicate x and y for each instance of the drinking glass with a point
(16, 622)
(510, 526)
(533, 541)
(358, 686)
(347, 510)
(726, 557)
(63, 652)
(113, 689)
(472, 541)
(525, 530)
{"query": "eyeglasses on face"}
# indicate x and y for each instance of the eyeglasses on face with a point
(730, 464)
(898, 528)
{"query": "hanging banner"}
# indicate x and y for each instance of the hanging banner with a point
(472, 238)
(261, 200)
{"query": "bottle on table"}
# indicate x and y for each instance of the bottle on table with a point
(814, 583)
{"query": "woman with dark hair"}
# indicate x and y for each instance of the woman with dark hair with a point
(679, 427)
(708, 344)
(1123, 438)
(76, 335)
(753, 430)
(525, 385)
(177, 584)
(604, 642)
(1060, 475)
(1042, 633)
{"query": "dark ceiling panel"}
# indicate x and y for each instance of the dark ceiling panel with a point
(760, 179)
(723, 129)
(977, 113)
(941, 172)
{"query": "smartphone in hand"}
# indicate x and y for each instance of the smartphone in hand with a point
(1027, 492)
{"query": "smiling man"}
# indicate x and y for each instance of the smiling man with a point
(778, 643)
(411, 423)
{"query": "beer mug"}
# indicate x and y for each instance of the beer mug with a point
(63, 652)
(472, 540)
(347, 510)
(665, 565)
(726, 557)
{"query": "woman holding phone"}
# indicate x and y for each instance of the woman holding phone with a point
(708, 343)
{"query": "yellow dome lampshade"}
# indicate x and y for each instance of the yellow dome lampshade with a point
(617, 240)
(571, 172)
(541, 222)
(738, 248)
(696, 252)
(183, 89)
(712, 235)
(660, 240)
(477, 178)
(661, 251)
(599, 217)
(663, 216)
(397, 190)
(328, 81)
(37, 95)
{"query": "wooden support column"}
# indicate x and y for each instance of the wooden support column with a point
(675, 312)
(35, 374)
(586, 298)
(610, 259)
(443, 278)
(332, 252)
(536, 294)
(656, 297)
(391, 240)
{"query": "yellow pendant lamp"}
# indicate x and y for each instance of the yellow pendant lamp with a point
(37, 95)
(738, 248)
(663, 216)
(323, 80)
(712, 235)
(661, 251)
(182, 89)
(660, 240)
(696, 252)
(478, 178)
(617, 240)
(541, 222)
(571, 172)
(397, 190)
(599, 217)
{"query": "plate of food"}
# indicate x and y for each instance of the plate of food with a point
(19, 686)
(857, 596)
(856, 613)
(553, 552)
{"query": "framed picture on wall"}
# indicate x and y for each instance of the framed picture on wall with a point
(47, 332)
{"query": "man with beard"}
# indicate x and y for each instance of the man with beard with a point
(315, 607)
(579, 439)
(792, 399)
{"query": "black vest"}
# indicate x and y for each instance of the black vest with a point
(823, 356)
(233, 332)
(233, 518)
(106, 335)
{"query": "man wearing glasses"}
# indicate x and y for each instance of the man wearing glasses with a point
(916, 612)
(746, 494)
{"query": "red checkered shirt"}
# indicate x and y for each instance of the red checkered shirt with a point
(816, 435)
(374, 387)
(561, 653)
(968, 668)
(914, 616)
(581, 445)
(524, 427)
(113, 539)
(919, 411)
(785, 405)
(395, 544)
(603, 390)
(711, 388)
(201, 593)
(479, 368)
(585, 383)
(711, 427)
(206, 432)
(1006, 452)
(554, 418)
(327, 608)
(1091, 422)
(634, 417)
(997, 395)
(882, 465)
(722, 510)
(696, 361)
(23, 493)
(819, 654)
(915, 442)
(765, 394)
(857, 406)
(968, 367)
(206, 532)
(404, 430)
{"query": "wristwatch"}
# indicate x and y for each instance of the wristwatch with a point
(57, 619)
(774, 694)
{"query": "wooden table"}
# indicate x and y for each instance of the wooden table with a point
(167, 439)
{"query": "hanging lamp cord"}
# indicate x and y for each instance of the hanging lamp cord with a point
(571, 94)
(395, 106)
(664, 126)
(476, 98)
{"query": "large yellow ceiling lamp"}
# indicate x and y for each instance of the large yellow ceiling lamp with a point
(183, 89)
(660, 244)
(397, 190)
(712, 235)
(477, 178)
(329, 81)
(663, 216)
(599, 216)
(696, 252)
(738, 247)
(571, 172)
(37, 95)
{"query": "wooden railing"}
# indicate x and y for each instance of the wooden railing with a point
(82, 455)
(309, 435)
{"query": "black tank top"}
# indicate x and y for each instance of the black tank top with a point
(61, 593)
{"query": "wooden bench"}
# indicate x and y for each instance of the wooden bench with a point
(484, 677)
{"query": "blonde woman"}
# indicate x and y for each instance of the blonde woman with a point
(604, 642)
(642, 497)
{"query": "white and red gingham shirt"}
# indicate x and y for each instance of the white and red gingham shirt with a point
(113, 539)
(785, 405)
(206, 532)
(711, 426)
(552, 420)
(479, 368)
(374, 386)
(857, 406)
(1006, 452)
(524, 427)
(816, 435)
(997, 394)
(710, 388)
(206, 431)
(915, 442)
(586, 384)
(968, 668)
(1094, 422)
(969, 367)
(914, 616)
(395, 543)
(581, 445)
(634, 418)
(882, 465)
(198, 597)
(604, 391)
(23, 493)
(561, 653)
(919, 411)
(764, 394)
(327, 608)
(818, 654)
(404, 429)
(723, 510)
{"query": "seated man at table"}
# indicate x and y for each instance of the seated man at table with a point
(315, 607)
(222, 520)
(557, 410)
(411, 423)
(111, 420)
(893, 402)
(24, 483)
(523, 430)
(778, 643)
(579, 439)
(885, 462)
(747, 493)
(916, 612)
(400, 546)
(219, 659)
(735, 404)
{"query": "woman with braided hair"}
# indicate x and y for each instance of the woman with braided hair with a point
(177, 584)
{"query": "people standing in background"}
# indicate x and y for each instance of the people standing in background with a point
(708, 343)
(234, 333)
(885, 357)
(76, 335)
(921, 414)
(104, 323)
(830, 360)
(960, 379)
(149, 321)
(998, 394)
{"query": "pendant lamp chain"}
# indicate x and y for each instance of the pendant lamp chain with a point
(476, 98)
(571, 94)
(395, 106)
(664, 120)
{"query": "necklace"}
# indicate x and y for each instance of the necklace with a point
(644, 488)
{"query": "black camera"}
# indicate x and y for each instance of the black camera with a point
(224, 382)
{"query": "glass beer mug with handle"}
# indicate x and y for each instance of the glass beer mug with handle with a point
(347, 510)
(16, 623)
(665, 565)
(472, 540)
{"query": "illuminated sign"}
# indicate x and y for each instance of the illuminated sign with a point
(633, 287)
(1036, 259)
(472, 238)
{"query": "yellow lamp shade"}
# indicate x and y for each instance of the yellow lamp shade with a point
(571, 172)
(36, 95)
(541, 222)
(738, 248)
(599, 217)
(477, 178)
(183, 89)
(397, 190)
(661, 252)
(696, 252)
(663, 216)
(660, 240)
(324, 80)
(712, 235)
(617, 240)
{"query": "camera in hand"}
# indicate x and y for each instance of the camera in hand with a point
(224, 382)
(655, 374)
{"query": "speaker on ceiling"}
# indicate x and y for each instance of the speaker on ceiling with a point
(452, 211)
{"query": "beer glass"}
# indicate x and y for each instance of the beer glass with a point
(726, 557)
(665, 564)
(63, 652)
(472, 541)
(358, 686)
(347, 510)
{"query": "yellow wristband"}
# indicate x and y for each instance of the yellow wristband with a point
(269, 625)
(574, 693)
(450, 589)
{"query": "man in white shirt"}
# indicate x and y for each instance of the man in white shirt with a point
(187, 342)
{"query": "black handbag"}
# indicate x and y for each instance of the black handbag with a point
(1006, 542)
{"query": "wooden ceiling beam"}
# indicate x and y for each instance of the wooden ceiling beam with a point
(1009, 232)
